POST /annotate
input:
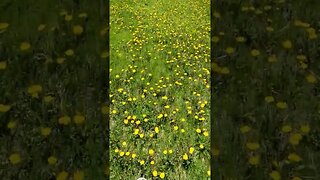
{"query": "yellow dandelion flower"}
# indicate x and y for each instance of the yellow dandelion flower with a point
(287, 44)
(254, 160)
(191, 150)
(3, 65)
(295, 138)
(134, 155)
(4, 108)
(45, 131)
(286, 128)
(25, 46)
(162, 175)
(252, 146)
(60, 60)
(229, 50)
(52, 160)
(311, 78)
(155, 173)
(12, 124)
(156, 129)
(206, 133)
(78, 119)
(272, 59)
(78, 175)
(41, 27)
(15, 158)
(293, 157)
(269, 99)
(275, 175)
(282, 105)
(305, 128)
(68, 17)
(63, 175)
(151, 152)
(77, 30)
(3, 25)
(255, 52)
(69, 52)
(142, 162)
(185, 156)
(64, 120)
(244, 129)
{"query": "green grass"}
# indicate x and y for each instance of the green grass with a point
(155, 46)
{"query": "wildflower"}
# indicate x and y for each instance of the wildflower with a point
(155, 173)
(77, 29)
(156, 129)
(254, 160)
(11, 124)
(4, 108)
(305, 128)
(272, 59)
(41, 27)
(275, 175)
(293, 157)
(185, 156)
(15, 158)
(286, 128)
(229, 50)
(282, 105)
(69, 52)
(63, 175)
(60, 60)
(78, 119)
(48, 99)
(206, 133)
(52, 160)
(162, 175)
(287, 44)
(45, 131)
(245, 129)
(3, 25)
(3, 65)
(34, 90)
(151, 152)
(78, 175)
(24, 46)
(191, 150)
(64, 120)
(295, 138)
(269, 99)
(252, 146)
(255, 52)
(311, 78)
(142, 162)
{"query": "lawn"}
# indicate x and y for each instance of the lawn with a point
(159, 89)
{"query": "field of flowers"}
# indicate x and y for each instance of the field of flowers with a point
(160, 89)
(266, 93)
(53, 69)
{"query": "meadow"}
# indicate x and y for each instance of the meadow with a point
(160, 89)
(53, 76)
(265, 90)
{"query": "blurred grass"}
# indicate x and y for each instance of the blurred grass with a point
(76, 87)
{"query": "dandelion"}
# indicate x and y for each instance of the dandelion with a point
(275, 175)
(255, 52)
(3, 25)
(4, 108)
(77, 30)
(305, 128)
(151, 152)
(24, 46)
(52, 160)
(244, 129)
(69, 52)
(64, 120)
(282, 105)
(155, 173)
(191, 150)
(15, 158)
(78, 119)
(63, 175)
(293, 157)
(185, 156)
(229, 50)
(295, 138)
(162, 175)
(41, 27)
(311, 79)
(78, 175)
(252, 146)
(286, 128)
(3, 65)
(287, 44)
(12, 124)
(45, 131)
(254, 160)
(34, 90)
